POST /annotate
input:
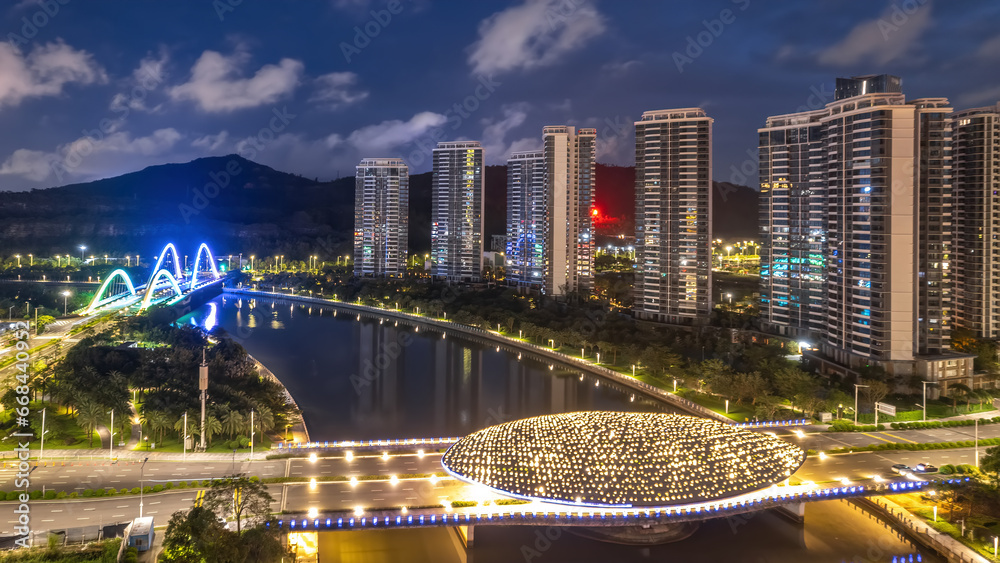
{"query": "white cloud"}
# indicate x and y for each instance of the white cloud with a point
(217, 85)
(92, 157)
(147, 77)
(985, 96)
(379, 140)
(880, 41)
(336, 90)
(211, 143)
(44, 71)
(990, 49)
(494, 139)
(534, 34)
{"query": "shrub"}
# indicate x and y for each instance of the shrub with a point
(135, 490)
(87, 493)
(244, 442)
(50, 495)
(61, 495)
(146, 490)
(254, 479)
(11, 495)
(168, 486)
(73, 495)
(98, 492)
(206, 483)
(463, 503)
(124, 491)
(947, 469)
(157, 488)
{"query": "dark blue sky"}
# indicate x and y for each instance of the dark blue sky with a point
(90, 89)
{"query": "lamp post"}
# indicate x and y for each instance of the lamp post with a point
(111, 441)
(977, 443)
(925, 399)
(251, 262)
(18, 256)
(65, 299)
(141, 467)
(82, 250)
(31, 260)
(41, 449)
(856, 387)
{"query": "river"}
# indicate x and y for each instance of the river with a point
(370, 379)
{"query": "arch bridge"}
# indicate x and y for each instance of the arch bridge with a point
(169, 281)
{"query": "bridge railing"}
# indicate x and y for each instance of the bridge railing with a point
(568, 515)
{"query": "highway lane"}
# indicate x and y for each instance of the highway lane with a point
(72, 477)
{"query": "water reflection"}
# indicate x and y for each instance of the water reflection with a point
(375, 378)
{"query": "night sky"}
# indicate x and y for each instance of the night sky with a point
(90, 89)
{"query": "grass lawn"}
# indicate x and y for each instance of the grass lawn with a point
(62, 431)
(738, 413)
(172, 443)
(944, 409)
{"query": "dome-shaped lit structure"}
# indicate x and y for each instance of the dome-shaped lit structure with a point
(621, 459)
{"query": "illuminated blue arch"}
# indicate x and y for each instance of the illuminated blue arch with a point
(197, 259)
(97, 302)
(151, 287)
(159, 262)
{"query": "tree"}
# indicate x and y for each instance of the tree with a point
(875, 391)
(959, 391)
(263, 419)
(158, 422)
(232, 423)
(240, 497)
(990, 464)
(88, 415)
(197, 536)
(212, 428)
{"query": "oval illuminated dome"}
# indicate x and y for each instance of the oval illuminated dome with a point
(621, 459)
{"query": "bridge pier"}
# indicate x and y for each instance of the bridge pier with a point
(796, 512)
(466, 534)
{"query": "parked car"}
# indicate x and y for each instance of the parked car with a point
(901, 469)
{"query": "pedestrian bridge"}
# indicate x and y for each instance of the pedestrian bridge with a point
(790, 498)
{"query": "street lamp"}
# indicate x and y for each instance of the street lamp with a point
(730, 297)
(18, 256)
(856, 387)
(65, 295)
(31, 260)
(82, 249)
(141, 467)
(251, 262)
(925, 398)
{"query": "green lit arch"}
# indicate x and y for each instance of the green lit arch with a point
(97, 302)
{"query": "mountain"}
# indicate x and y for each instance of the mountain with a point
(242, 206)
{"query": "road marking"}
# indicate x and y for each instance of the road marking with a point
(900, 438)
(113, 516)
(122, 506)
(878, 438)
(48, 520)
(86, 509)
(56, 510)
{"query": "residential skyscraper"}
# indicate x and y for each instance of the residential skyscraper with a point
(673, 187)
(570, 163)
(527, 223)
(856, 219)
(457, 211)
(381, 211)
(976, 263)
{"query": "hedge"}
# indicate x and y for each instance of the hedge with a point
(917, 447)
(463, 503)
(848, 426)
(942, 423)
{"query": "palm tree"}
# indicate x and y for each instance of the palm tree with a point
(957, 391)
(157, 421)
(179, 427)
(212, 427)
(88, 415)
(263, 419)
(232, 423)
